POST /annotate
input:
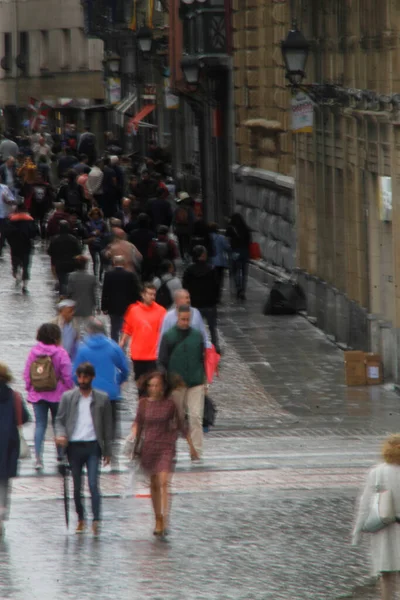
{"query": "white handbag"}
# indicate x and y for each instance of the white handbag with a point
(24, 451)
(381, 511)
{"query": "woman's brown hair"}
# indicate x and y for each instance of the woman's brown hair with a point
(391, 449)
(94, 210)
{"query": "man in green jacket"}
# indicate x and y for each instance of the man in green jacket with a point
(182, 353)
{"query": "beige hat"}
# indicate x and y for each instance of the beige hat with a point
(182, 196)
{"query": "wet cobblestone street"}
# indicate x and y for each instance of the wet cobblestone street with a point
(268, 514)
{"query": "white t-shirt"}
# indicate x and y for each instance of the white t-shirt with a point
(84, 429)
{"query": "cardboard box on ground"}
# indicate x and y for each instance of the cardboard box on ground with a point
(362, 368)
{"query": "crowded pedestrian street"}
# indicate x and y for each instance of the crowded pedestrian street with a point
(199, 300)
(267, 514)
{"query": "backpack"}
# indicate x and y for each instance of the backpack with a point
(73, 199)
(164, 296)
(181, 216)
(43, 375)
(162, 250)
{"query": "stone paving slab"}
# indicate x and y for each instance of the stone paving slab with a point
(233, 545)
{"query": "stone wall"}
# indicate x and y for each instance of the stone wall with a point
(266, 201)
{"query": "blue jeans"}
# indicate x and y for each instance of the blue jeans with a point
(89, 454)
(41, 410)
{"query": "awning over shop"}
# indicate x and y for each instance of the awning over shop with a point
(135, 122)
(126, 103)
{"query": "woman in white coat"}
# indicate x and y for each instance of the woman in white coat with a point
(385, 544)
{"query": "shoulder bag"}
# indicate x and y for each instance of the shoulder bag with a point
(381, 511)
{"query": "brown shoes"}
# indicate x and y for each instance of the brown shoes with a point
(80, 528)
(96, 528)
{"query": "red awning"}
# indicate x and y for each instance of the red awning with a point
(134, 122)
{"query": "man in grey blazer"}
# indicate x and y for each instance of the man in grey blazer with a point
(84, 428)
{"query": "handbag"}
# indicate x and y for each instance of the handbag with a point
(24, 451)
(129, 447)
(381, 511)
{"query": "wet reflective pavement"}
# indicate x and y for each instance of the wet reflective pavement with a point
(267, 515)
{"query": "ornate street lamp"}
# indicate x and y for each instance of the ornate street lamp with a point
(295, 50)
(191, 66)
(145, 39)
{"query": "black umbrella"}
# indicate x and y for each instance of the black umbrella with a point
(64, 472)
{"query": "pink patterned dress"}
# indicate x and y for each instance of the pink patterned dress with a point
(160, 423)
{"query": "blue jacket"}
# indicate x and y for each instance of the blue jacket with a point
(109, 362)
(222, 250)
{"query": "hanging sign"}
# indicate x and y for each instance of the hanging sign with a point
(302, 113)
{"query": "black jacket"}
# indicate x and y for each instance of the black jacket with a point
(160, 212)
(21, 230)
(120, 289)
(63, 249)
(200, 281)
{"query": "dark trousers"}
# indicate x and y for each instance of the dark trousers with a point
(97, 262)
(210, 315)
(116, 322)
(3, 224)
(220, 273)
(141, 367)
(114, 417)
(89, 454)
(184, 244)
(239, 271)
(62, 277)
(23, 262)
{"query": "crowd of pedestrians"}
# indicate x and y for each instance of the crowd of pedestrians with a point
(156, 276)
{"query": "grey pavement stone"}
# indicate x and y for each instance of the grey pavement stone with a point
(235, 546)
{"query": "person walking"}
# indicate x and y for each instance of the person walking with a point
(82, 289)
(182, 298)
(41, 201)
(63, 250)
(119, 246)
(47, 375)
(182, 354)
(13, 414)
(182, 221)
(220, 257)
(200, 280)
(96, 231)
(166, 284)
(142, 324)
(71, 194)
(8, 147)
(385, 543)
(20, 232)
(84, 428)
(69, 326)
(8, 175)
(87, 145)
(121, 288)
(7, 202)
(239, 236)
(109, 363)
(158, 423)
(94, 183)
(162, 248)
(142, 238)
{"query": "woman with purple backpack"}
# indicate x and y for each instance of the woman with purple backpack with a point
(47, 374)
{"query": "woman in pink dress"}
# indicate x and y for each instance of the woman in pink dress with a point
(156, 426)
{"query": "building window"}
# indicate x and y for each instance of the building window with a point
(6, 60)
(44, 50)
(65, 49)
(23, 53)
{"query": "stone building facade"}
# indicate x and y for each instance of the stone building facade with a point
(45, 54)
(347, 247)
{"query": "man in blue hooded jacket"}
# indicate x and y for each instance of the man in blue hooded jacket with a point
(109, 362)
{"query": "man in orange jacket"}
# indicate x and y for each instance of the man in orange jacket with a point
(142, 323)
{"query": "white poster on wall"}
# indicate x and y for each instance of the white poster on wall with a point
(302, 113)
